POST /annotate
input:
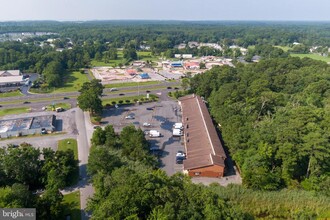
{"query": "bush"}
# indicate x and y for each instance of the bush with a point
(135, 100)
(120, 101)
(142, 99)
(113, 102)
(127, 101)
(97, 118)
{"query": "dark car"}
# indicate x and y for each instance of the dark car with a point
(26, 102)
(150, 109)
(169, 87)
(0, 106)
(121, 94)
(147, 91)
(179, 160)
(65, 97)
(176, 88)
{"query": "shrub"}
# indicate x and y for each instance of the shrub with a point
(120, 101)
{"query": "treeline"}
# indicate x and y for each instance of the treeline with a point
(274, 118)
(26, 181)
(128, 184)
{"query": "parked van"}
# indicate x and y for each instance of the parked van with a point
(154, 133)
(178, 126)
(177, 132)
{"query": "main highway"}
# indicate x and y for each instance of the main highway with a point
(37, 100)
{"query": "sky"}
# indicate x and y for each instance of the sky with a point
(81, 10)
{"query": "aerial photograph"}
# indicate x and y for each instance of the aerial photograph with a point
(174, 110)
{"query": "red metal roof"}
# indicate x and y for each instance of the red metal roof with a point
(202, 143)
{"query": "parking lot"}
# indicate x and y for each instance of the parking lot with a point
(161, 116)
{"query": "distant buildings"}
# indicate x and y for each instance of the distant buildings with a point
(11, 78)
(205, 154)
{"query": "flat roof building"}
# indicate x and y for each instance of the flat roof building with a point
(205, 153)
(27, 125)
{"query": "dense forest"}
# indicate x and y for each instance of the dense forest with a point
(274, 119)
(24, 176)
(128, 184)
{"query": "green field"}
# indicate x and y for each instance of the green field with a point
(71, 205)
(12, 111)
(312, 56)
(70, 143)
(129, 84)
(146, 55)
(284, 48)
(73, 82)
(67, 144)
(10, 94)
(65, 106)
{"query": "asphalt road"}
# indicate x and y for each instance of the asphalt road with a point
(106, 92)
(86, 190)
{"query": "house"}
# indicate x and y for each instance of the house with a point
(10, 78)
(205, 154)
(191, 65)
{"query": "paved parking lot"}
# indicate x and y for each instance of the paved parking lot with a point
(161, 116)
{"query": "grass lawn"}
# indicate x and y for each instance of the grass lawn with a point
(71, 205)
(128, 84)
(146, 55)
(11, 111)
(10, 94)
(70, 143)
(66, 106)
(312, 56)
(73, 82)
(285, 48)
(67, 144)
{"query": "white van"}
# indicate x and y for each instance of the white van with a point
(154, 133)
(178, 126)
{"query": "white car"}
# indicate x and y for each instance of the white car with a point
(113, 89)
(129, 117)
(146, 124)
(180, 154)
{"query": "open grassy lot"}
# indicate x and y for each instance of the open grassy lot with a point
(146, 55)
(12, 111)
(128, 84)
(71, 205)
(67, 144)
(312, 56)
(10, 94)
(285, 48)
(65, 106)
(73, 82)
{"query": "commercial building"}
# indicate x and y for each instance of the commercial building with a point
(205, 153)
(27, 125)
(10, 78)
